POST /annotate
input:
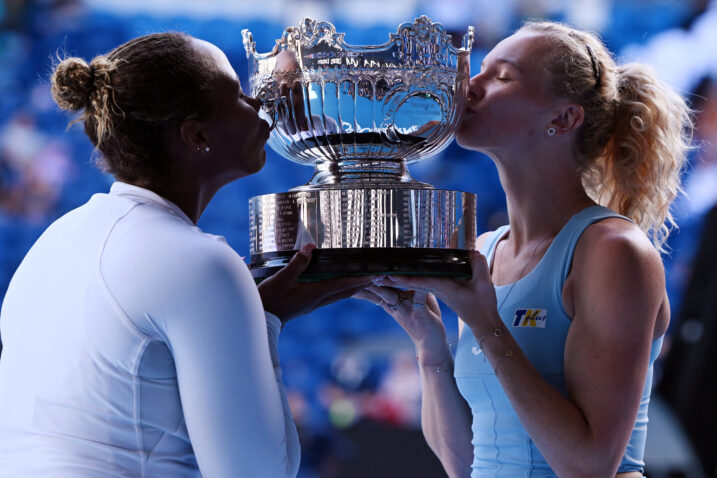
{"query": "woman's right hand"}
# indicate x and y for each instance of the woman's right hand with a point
(417, 312)
(284, 296)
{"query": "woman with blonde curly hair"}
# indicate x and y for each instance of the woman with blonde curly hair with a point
(566, 309)
(136, 344)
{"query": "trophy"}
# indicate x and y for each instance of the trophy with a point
(359, 115)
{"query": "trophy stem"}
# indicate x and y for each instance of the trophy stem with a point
(352, 173)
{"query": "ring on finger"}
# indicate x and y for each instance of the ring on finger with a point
(417, 306)
(381, 301)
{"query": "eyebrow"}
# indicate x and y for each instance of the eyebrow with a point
(503, 60)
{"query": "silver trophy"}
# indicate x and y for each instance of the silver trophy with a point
(359, 115)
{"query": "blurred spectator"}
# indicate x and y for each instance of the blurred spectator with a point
(689, 383)
(13, 14)
(689, 380)
(33, 170)
(699, 196)
(700, 189)
(680, 52)
(401, 389)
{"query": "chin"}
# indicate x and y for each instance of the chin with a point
(465, 140)
(260, 162)
(475, 139)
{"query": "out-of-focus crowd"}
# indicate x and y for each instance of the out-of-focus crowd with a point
(349, 366)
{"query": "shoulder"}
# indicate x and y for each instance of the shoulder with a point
(483, 238)
(156, 236)
(480, 240)
(616, 267)
(615, 244)
(152, 259)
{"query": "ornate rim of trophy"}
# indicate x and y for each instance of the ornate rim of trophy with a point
(359, 115)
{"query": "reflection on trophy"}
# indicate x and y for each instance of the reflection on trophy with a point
(359, 115)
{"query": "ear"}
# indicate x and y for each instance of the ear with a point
(193, 134)
(568, 118)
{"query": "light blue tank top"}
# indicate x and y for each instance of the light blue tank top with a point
(534, 314)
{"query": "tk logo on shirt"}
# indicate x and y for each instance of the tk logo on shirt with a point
(530, 318)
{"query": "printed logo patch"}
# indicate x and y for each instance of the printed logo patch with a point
(530, 318)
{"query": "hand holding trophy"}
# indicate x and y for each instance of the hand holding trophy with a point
(359, 115)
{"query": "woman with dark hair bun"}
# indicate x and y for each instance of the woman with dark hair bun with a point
(135, 344)
(566, 309)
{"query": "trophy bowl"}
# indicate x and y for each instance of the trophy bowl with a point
(359, 115)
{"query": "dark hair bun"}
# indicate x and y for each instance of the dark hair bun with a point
(72, 84)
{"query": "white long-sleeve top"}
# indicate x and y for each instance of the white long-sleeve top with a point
(137, 345)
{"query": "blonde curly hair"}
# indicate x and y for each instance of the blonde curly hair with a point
(633, 143)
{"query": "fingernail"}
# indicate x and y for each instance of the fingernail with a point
(306, 249)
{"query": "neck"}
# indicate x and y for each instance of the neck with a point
(190, 196)
(541, 197)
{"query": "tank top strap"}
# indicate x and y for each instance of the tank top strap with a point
(488, 247)
(560, 252)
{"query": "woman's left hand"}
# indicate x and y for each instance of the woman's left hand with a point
(473, 299)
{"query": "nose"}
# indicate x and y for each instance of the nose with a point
(475, 90)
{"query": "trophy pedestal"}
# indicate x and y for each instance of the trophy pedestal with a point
(330, 263)
(369, 230)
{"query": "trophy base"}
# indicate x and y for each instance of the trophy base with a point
(330, 263)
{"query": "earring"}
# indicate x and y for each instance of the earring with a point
(206, 149)
(551, 131)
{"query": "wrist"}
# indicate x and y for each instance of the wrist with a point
(445, 366)
(434, 355)
(486, 325)
(498, 342)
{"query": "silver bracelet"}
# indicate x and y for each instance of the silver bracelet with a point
(441, 367)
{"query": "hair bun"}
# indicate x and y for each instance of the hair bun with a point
(72, 84)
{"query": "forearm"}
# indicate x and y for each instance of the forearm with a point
(446, 417)
(237, 416)
(556, 425)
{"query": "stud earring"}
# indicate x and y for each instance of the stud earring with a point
(551, 131)
(206, 149)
